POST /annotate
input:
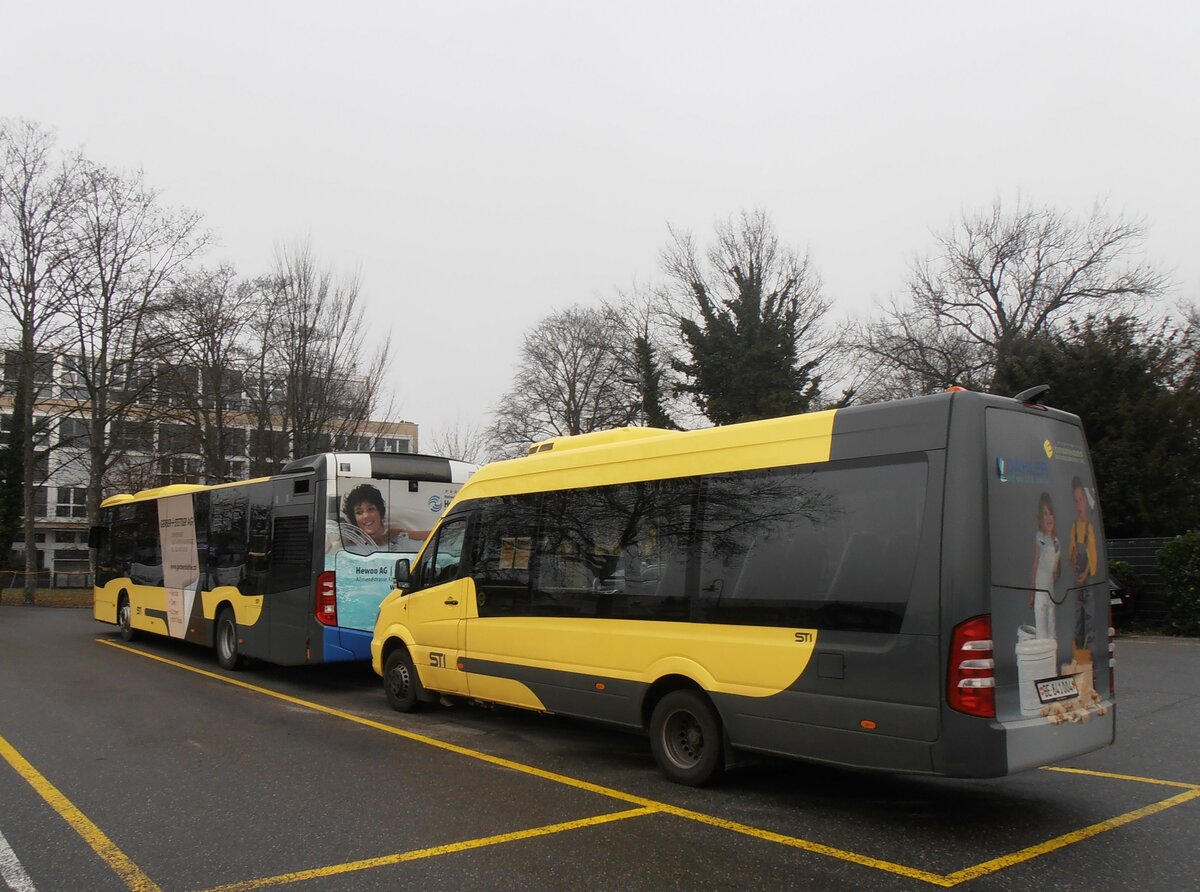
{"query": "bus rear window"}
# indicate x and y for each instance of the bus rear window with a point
(1042, 500)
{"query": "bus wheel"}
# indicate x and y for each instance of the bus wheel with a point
(125, 618)
(227, 640)
(400, 681)
(685, 736)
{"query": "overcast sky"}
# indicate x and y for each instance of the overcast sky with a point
(482, 164)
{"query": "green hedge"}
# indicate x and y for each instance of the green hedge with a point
(1179, 563)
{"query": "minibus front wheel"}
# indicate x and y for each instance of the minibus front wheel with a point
(400, 681)
(686, 738)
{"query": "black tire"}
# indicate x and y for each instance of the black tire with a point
(686, 738)
(226, 640)
(125, 618)
(400, 681)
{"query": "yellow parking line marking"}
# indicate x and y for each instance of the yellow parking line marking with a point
(448, 849)
(945, 881)
(1124, 777)
(121, 864)
(807, 845)
(970, 873)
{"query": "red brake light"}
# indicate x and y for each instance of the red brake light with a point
(971, 681)
(326, 606)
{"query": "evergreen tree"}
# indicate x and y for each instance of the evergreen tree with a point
(1135, 387)
(756, 304)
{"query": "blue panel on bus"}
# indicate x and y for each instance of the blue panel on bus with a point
(346, 644)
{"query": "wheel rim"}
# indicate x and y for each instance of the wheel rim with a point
(683, 739)
(399, 681)
(123, 615)
(225, 640)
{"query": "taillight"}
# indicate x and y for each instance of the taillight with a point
(971, 685)
(326, 607)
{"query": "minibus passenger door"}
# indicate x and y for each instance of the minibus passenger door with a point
(437, 609)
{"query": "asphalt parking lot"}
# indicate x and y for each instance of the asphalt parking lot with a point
(144, 766)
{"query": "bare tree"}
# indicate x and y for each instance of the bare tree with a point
(211, 314)
(315, 380)
(997, 277)
(464, 442)
(129, 248)
(571, 379)
(38, 194)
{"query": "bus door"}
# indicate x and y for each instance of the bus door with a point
(289, 595)
(436, 612)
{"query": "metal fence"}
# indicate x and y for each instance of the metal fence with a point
(1142, 554)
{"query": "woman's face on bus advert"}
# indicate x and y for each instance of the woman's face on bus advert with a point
(368, 519)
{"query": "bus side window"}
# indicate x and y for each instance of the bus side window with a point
(503, 555)
(442, 559)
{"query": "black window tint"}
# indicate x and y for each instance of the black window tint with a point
(228, 515)
(442, 560)
(146, 566)
(504, 555)
(615, 551)
(833, 548)
(200, 509)
(116, 551)
(258, 552)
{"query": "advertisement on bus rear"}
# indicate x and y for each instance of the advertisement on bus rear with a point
(1049, 577)
(370, 524)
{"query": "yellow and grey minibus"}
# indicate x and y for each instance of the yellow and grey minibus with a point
(914, 586)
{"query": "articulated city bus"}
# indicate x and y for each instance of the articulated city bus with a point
(915, 586)
(289, 568)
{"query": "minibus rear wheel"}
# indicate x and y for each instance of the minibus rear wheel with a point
(686, 739)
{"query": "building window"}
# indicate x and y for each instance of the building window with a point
(174, 438)
(175, 469)
(73, 432)
(393, 444)
(39, 502)
(133, 436)
(72, 502)
(73, 379)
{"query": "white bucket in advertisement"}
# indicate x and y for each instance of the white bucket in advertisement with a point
(1035, 660)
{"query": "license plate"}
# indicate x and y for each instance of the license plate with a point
(1051, 690)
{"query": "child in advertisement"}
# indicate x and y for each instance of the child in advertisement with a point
(1047, 565)
(1082, 555)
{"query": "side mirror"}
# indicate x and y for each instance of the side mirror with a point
(400, 575)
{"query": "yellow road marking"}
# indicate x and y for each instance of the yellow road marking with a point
(1124, 777)
(970, 873)
(133, 875)
(448, 849)
(945, 881)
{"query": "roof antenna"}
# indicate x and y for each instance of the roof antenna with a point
(1033, 395)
